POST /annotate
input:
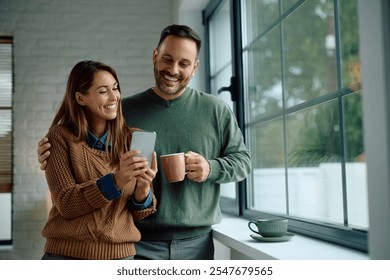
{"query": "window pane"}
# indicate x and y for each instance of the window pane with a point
(356, 169)
(222, 80)
(260, 15)
(309, 52)
(5, 150)
(303, 116)
(263, 70)
(5, 140)
(314, 168)
(353, 119)
(5, 75)
(349, 36)
(5, 116)
(220, 39)
(268, 191)
(287, 4)
(221, 67)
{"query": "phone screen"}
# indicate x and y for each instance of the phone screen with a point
(145, 142)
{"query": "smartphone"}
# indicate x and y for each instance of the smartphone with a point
(145, 142)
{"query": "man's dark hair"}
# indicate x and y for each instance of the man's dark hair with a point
(182, 31)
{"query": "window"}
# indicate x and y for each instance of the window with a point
(300, 76)
(5, 138)
(220, 71)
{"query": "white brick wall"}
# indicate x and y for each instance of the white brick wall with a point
(50, 36)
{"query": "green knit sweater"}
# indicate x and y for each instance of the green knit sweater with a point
(197, 122)
(82, 223)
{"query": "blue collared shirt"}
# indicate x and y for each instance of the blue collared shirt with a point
(106, 183)
(97, 143)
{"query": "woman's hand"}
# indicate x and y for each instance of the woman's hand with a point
(144, 181)
(131, 165)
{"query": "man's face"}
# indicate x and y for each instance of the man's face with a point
(175, 64)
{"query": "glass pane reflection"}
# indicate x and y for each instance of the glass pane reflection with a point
(314, 163)
(356, 169)
(309, 52)
(221, 67)
(265, 76)
(220, 39)
(268, 177)
(261, 14)
(287, 4)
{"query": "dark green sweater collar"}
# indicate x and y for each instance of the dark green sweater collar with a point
(167, 103)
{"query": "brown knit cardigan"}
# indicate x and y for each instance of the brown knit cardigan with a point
(82, 223)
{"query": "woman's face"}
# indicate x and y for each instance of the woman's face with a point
(102, 100)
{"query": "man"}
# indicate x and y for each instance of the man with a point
(193, 122)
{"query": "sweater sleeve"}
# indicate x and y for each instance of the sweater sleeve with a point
(145, 212)
(72, 199)
(234, 163)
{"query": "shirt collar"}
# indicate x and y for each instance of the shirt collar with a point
(167, 103)
(97, 143)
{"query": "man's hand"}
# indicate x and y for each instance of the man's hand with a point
(43, 152)
(197, 166)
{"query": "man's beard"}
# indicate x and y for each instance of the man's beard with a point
(163, 88)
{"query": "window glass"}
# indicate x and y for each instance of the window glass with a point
(220, 40)
(260, 15)
(264, 74)
(5, 116)
(287, 4)
(353, 116)
(268, 184)
(314, 168)
(309, 52)
(222, 80)
(5, 74)
(303, 116)
(6, 134)
(356, 172)
(349, 36)
(221, 66)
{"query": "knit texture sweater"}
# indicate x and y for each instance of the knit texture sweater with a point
(82, 223)
(197, 122)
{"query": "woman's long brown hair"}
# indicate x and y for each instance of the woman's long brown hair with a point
(73, 115)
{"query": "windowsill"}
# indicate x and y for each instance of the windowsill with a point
(233, 232)
(6, 248)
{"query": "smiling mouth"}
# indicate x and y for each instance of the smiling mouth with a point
(110, 107)
(170, 78)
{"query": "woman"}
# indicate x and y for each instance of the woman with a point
(97, 185)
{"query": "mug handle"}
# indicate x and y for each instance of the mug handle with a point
(249, 225)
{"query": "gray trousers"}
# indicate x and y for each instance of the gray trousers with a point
(195, 248)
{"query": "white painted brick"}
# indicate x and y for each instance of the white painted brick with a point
(49, 38)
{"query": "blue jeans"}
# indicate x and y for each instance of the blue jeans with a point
(195, 248)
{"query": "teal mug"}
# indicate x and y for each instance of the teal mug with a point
(269, 227)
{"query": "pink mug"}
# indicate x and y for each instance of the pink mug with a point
(174, 167)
